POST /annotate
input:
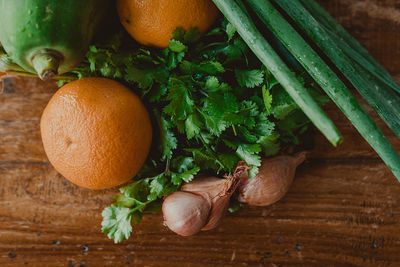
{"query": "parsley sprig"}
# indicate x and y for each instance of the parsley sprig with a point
(213, 104)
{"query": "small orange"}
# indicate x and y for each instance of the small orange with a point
(96, 133)
(152, 22)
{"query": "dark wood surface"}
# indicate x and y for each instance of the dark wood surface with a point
(342, 210)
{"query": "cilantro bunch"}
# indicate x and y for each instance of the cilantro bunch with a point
(212, 103)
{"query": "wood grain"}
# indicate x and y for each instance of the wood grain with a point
(342, 210)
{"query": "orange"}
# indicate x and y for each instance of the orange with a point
(96, 133)
(152, 22)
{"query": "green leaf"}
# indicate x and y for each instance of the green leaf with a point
(214, 124)
(219, 105)
(178, 34)
(174, 59)
(176, 46)
(188, 67)
(230, 31)
(117, 223)
(282, 103)
(270, 145)
(205, 159)
(233, 53)
(246, 135)
(192, 35)
(211, 67)
(267, 97)
(249, 153)
(229, 160)
(183, 164)
(249, 78)
(157, 92)
(124, 201)
(137, 190)
(264, 127)
(168, 139)
(181, 105)
(142, 77)
(193, 125)
(212, 84)
(157, 186)
(291, 127)
(160, 186)
(178, 178)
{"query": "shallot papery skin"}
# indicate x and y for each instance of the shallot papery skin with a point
(217, 191)
(272, 181)
(185, 213)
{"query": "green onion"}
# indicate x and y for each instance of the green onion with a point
(263, 50)
(385, 102)
(351, 46)
(328, 80)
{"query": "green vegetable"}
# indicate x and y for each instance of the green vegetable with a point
(328, 80)
(213, 104)
(352, 47)
(248, 31)
(385, 102)
(48, 37)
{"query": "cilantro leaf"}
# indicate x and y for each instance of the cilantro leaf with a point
(187, 176)
(124, 201)
(168, 139)
(264, 127)
(267, 97)
(192, 35)
(249, 78)
(137, 190)
(181, 105)
(270, 145)
(203, 157)
(229, 160)
(117, 223)
(141, 77)
(282, 103)
(214, 124)
(249, 153)
(206, 67)
(177, 46)
(174, 59)
(246, 135)
(193, 125)
(160, 186)
(182, 164)
(178, 34)
(211, 67)
(212, 84)
(230, 31)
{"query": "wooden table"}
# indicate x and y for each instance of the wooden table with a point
(342, 210)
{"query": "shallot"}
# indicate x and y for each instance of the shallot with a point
(272, 181)
(199, 205)
(185, 213)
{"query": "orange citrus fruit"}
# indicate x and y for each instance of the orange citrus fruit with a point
(152, 22)
(96, 133)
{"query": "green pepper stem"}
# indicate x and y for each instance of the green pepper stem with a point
(46, 65)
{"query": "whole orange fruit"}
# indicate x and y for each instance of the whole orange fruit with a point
(96, 133)
(152, 22)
